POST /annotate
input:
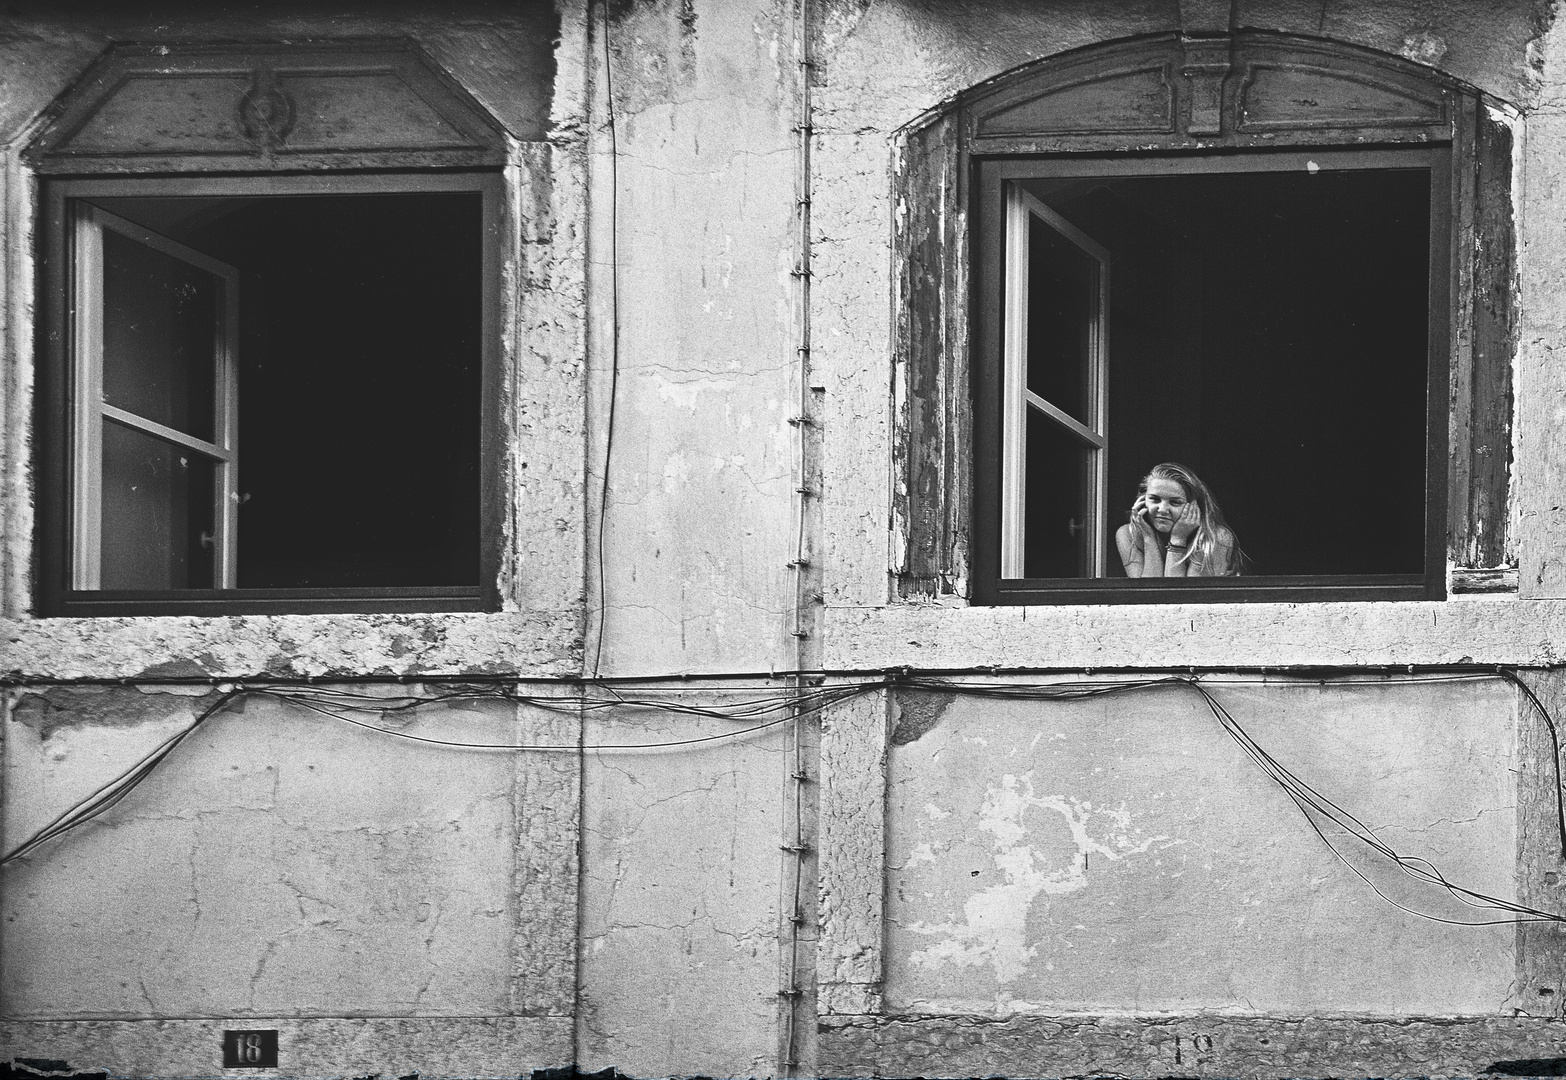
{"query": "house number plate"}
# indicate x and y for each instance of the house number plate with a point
(250, 1049)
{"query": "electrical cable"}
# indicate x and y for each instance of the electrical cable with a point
(337, 704)
(614, 332)
(1555, 746)
(1404, 673)
(806, 629)
(1312, 802)
(110, 795)
(774, 708)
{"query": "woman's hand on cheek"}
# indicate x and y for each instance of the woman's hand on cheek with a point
(1141, 524)
(1186, 525)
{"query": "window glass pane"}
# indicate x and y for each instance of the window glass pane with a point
(1062, 304)
(159, 335)
(158, 502)
(1055, 518)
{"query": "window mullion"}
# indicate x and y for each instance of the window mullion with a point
(1095, 439)
(1018, 398)
(226, 479)
(162, 431)
(1098, 394)
(1014, 406)
(87, 414)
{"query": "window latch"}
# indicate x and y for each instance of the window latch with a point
(1075, 527)
(208, 539)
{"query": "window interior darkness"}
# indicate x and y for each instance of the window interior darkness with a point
(358, 384)
(1268, 330)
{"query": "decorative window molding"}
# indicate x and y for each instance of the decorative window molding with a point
(254, 167)
(256, 108)
(1187, 98)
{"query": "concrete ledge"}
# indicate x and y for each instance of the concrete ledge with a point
(290, 646)
(1491, 630)
(1188, 1046)
(505, 1046)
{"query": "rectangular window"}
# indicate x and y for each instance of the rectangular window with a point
(1275, 323)
(271, 394)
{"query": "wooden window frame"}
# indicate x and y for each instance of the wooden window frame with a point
(1017, 399)
(62, 411)
(89, 409)
(1212, 99)
(993, 177)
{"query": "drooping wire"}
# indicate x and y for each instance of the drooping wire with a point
(110, 795)
(614, 332)
(1313, 804)
(1555, 747)
(774, 708)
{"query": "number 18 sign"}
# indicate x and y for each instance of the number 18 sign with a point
(250, 1049)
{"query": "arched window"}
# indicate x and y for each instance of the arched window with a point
(271, 331)
(1251, 254)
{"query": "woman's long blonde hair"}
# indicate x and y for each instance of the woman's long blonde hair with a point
(1214, 540)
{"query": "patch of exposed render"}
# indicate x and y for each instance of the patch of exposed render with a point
(995, 928)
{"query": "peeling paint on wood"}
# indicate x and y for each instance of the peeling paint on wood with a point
(1496, 580)
(931, 433)
(1490, 399)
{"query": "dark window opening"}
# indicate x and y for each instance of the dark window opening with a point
(355, 379)
(1270, 330)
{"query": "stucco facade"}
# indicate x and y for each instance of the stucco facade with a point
(700, 311)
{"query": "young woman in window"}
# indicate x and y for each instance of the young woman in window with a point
(1176, 529)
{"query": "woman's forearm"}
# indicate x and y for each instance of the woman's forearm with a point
(1152, 561)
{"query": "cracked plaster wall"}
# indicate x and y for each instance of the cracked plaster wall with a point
(278, 864)
(884, 63)
(681, 883)
(693, 225)
(386, 873)
(1123, 853)
(522, 62)
(389, 907)
(692, 244)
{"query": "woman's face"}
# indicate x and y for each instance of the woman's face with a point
(1165, 501)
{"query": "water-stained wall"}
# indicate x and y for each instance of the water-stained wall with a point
(693, 247)
(286, 865)
(1006, 884)
(1125, 852)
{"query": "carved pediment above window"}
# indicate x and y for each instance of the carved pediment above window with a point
(1288, 84)
(1114, 89)
(203, 108)
(1244, 89)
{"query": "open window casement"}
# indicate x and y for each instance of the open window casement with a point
(1270, 329)
(270, 359)
(1056, 401)
(1297, 229)
(154, 461)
